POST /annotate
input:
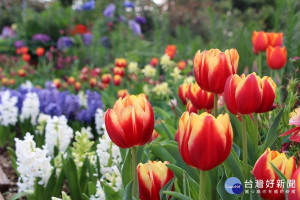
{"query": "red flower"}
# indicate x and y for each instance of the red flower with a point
(276, 57)
(260, 41)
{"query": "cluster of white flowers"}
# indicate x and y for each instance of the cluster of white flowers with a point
(149, 71)
(27, 85)
(32, 163)
(88, 131)
(30, 108)
(82, 99)
(110, 157)
(100, 195)
(133, 67)
(99, 120)
(42, 121)
(57, 133)
(166, 62)
(8, 109)
(162, 89)
(189, 79)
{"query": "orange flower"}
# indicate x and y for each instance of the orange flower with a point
(123, 93)
(204, 141)
(264, 171)
(106, 78)
(79, 29)
(21, 72)
(170, 51)
(259, 41)
(276, 57)
(93, 82)
(77, 86)
(24, 50)
(117, 79)
(119, 71)
(71, 80)
(40, 51)
(191, 108)
(183, 92)
(213, 67)
(131, 121)
(181, 65)
(245, 95)
(11, 81)
(200, 98)
(26, 57)
(154, 62)
(295, 195)
(4, 81)
(120, 62)
(153, 176)
(275, 39)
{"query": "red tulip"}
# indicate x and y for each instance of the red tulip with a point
(276, 57)
(204, 141)
(71, 80)
(21, 73)
(264, 171)
(123, 93)
(154, 62)
(93, 82)
(191, 108)
(131, 121)
(57, 83)
(275, 39)
(117, 79)
(200, 98)
(120, 62)
(106, 78)
(245, 95)
(24, 50)
(294, 192)
(183, 92)
(26, 57)
(181, 65)
(259, 41)
(170, 51)
(153, 176)
(119, 71)
(77, 86)
(213, 67)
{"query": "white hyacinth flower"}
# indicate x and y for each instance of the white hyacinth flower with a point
(100, 195)
(30, 108)
(99, 120)
(57, 133)
(8, 109)
(82, 99)
(32, 163)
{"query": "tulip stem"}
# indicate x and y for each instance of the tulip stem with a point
(259, 64)
(202, 185)
(245, 150)
(216, 105)
(134, 173)
(255, 132)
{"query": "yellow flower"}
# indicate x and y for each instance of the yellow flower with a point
(146, 90)
(149, 71)
(166, 62)
(176, 74)
(189, 79)
(133, 67)
(162, 89)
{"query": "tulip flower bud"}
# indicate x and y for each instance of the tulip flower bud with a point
(106, 78)
(181, 65)
(191, 108)
(213, 67)
(123, 93)
(93, 82)
(117, 79)
(264, 171)
(275, 39)
(276, 57)
(24, 50)
(200, 98)
(131, 121)
(245, 95)
(21, 73)
(259, 41)
(40, 51)
(26, 57)
(204, 141)
(153, 176)
(120, 62)
(294, 192)
(71, 80)
(154, 62)
(170, 51)
(183, 92)
(119, 71)
(77, 86)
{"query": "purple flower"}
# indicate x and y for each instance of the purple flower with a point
(7, 32)
(140, 19)
(128, 4)
(53, 109)
(109, 10)
(105, 42)
(19, 43)
(64, 42)
(41, 37)
(89, 5)
(87, 39)
(136, 28)
(122, 18)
